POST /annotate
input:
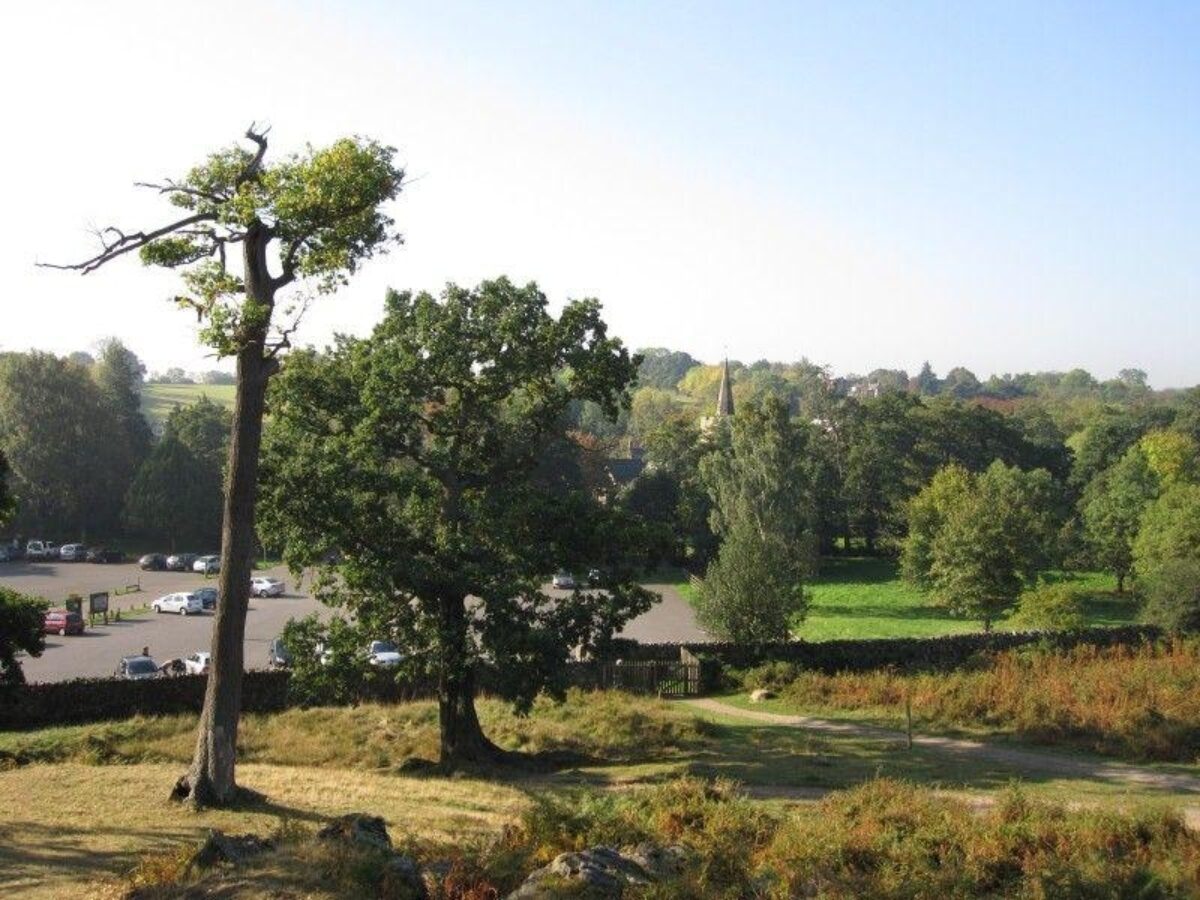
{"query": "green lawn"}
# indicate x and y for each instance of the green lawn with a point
(159, 399)
(864, 597)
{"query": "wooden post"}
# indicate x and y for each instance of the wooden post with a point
(908, 718)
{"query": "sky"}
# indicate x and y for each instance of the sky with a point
(1006, 186)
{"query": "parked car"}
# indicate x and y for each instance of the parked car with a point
(62, 621)
(181, 602)
(197, 663)
(563, 580)
(208, 597)
(594, 577)
(207, 564)
(180, 562)
(6, 553)
(41, 550)
(383, 653)
(152, 562)
(261, 586)
(137, 668)
(104, 555)
(278, 655)
(72, 553)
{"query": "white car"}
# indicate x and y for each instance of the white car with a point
(207, 565)
(197, 663)
(72, 552)
(183, 603)
(262, 586)
(563, 580)
(383, 653)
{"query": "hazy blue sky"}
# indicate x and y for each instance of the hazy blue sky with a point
(1006, 186)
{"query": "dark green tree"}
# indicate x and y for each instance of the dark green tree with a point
(926, 383)
(1173, 596)
(8, 506)
(662, 368)
(415, 455)
(20, 631)
(1112, 508)
(120, 374)
(991, 535)
(294, 228)
(63, 445)
(761, 488)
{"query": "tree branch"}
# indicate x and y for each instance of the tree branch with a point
(252, 168)
(124, 243)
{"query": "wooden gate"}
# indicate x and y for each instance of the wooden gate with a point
(662, 678)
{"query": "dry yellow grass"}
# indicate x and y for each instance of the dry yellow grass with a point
(67, 827)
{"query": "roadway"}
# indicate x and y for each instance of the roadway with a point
(96, 652)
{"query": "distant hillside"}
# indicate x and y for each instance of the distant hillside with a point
(159, 399)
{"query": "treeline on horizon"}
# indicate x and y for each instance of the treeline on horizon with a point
(84, 464)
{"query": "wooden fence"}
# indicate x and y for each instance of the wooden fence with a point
(662, 678)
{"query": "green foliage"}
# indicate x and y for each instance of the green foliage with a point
(662, 368)
(1050, 607)
(1173, 456)
(1173, 595)
(976, 541)
(928, 511)
(68, 455)
(1170, 529)
(20, 632)
(8, 505)
(415, 454)
(763, 512)
(1112, 508)
(119, 373)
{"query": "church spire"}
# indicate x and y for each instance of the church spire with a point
(725, 395)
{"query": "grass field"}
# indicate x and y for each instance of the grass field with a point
(86, 803)
(159, 399)
(864, 597)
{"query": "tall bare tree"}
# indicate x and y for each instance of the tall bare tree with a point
(304, 224)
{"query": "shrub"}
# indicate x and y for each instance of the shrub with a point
(1173, 596)
(1052, 607)
(1134, 702)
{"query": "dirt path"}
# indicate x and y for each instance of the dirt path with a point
(1025, 760)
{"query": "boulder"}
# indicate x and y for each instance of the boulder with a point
(402, 876)
(219, 847)
(761, 694)
(602, 872)
(358, 829)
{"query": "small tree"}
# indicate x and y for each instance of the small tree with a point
(1112, 508)
(417, 455)
(991, 536)
(20, 631)
(1173, 596)
(1170, 529)
(763, 513)
(1050, 607)
(319, 214)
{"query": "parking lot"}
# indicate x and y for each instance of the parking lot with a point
(95, 653)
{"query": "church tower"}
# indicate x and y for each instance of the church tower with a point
(725, 394)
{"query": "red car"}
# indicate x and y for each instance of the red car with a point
(60, 621)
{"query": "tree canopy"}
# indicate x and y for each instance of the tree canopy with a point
(415, 455)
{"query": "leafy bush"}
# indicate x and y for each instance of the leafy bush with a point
(1052, 607)
(1133, 702)
(1173, 596)
(20, 631)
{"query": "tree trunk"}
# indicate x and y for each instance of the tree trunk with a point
(1120, 582)
(462, 739)
(211, 780)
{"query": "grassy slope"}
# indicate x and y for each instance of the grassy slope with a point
(159, 399)
(72, 820)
